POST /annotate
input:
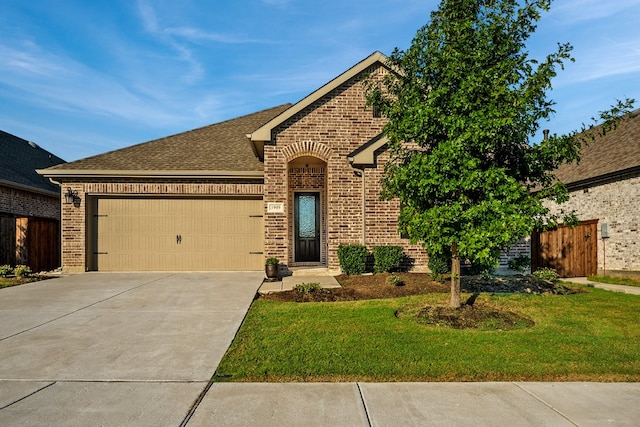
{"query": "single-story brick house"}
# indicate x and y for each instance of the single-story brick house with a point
(29, 205)
(292, 182)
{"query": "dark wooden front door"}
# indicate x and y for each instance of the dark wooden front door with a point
(572, 252)
(307, 227)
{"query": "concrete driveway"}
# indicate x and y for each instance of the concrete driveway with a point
(74, 348)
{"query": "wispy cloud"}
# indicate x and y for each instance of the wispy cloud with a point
(573, 11)
(152, 25)
(196, 34)
(276, 2)
(60, 83)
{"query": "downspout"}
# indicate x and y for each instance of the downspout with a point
(360, 172)
(59, 184)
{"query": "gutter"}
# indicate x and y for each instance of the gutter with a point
(199, 174)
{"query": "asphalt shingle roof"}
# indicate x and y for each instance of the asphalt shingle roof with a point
(222, 146)
(615, 152)
(19, 160)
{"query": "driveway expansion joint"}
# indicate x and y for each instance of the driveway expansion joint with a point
(28, 395)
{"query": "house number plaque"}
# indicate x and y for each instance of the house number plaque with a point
(275, 207)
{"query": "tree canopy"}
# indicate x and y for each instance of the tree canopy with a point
(463, 104)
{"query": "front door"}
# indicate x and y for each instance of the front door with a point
(307, 227)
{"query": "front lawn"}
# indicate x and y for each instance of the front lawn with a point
(588, 336)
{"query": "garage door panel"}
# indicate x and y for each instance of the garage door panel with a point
(179, 234)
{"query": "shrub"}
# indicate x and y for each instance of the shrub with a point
(22, 271)
(548, 274)
(272, 261)
(482, 267)
(304, 288)
(520, 263)
(353, 258)
(387, 258)
(5, 270)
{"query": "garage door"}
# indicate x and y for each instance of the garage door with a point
(179, 235)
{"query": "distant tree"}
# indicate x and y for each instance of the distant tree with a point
(463, 103)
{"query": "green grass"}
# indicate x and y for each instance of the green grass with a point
(628, 281)
(590, 336)
(6, 282)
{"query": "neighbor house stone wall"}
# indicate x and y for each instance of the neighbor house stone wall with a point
(328, 130)
(615, 202)
(74, 216)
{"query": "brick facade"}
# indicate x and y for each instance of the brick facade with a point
(613, 202)
(22, 203)
(321, 136)
(74, 225)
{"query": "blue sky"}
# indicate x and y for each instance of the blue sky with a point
(81, 78)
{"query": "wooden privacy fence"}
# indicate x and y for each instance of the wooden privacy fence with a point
(30, 241)
(572, 252)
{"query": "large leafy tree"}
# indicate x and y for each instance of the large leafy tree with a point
(463, 103)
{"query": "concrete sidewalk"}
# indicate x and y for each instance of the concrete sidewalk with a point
(420, 404)
(615, 288)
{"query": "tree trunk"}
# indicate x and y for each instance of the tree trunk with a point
(454, 300)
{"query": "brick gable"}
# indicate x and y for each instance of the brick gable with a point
(324, 133)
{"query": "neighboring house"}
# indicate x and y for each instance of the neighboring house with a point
(292, 182)
(605, 195)
(29, 206)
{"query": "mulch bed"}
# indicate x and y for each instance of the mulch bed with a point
(378, 286)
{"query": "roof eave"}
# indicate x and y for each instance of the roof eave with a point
(599, 179)
(29, 188)
(365, 155)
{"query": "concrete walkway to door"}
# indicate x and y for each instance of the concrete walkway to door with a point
(115, 348)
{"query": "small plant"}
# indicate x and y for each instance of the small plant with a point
(353, 259)
(548, 274)
(272, 261)
(387, 258)
(5, 270)
(22, 271)
(521, 263)
(486, 275)
(439, 265)
(304, 288)
(394, 280)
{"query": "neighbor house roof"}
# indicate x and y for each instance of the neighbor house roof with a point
(220, 149)
(19, 161)
(614, 154)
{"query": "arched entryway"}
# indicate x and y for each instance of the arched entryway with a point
(307, 214)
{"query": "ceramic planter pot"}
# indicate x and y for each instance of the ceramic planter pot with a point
(271, 271)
